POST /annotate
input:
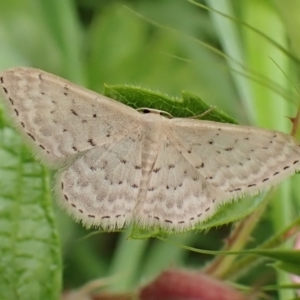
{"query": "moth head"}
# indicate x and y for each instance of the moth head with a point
(144, 110)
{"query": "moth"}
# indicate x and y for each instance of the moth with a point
(117, 165)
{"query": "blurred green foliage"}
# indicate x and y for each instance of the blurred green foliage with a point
(165, 46)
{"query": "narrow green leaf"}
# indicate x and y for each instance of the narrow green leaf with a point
(282, 255)
(288, 267)
(285, 256)
(30, 264)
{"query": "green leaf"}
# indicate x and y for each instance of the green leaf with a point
(189, 106)
(30, 264)
(139, 233)
(286, 256)
(230, 212)
(225, 214)
(288, 267)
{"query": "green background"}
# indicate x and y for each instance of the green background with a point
(166, 46)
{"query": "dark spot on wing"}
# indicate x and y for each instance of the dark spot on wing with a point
(74, 112)
(29, 134)
(105, 217)
(200, 166)
(16, 111)
(66, 197)
(103, 164)
(91, 142)
(251, 185)
(286, 167)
